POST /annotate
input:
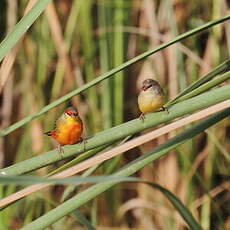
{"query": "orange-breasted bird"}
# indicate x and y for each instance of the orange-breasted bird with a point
(151, 97)
(68, 130)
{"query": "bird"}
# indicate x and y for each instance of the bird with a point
(151, 97)
(68, 129)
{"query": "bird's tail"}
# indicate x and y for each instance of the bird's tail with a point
(49, 133)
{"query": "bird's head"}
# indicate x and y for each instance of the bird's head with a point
(149, 83)
(71, 111)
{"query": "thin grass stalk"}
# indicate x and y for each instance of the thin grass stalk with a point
(218, 144)
(110, 73)
(92, 192)
(72, 22)
(58, 40)
(193, 173)
(208, 170)
(118, 60)
(88, 48)
(43, 57)
(93, 213)
(216, 32)
(206, 86)
(105, 64)
(208, 164)
(223, 67)
(122, 131)
(68, 37)
(113, 195)
(180, 63)
(22, 26)
(6, 112)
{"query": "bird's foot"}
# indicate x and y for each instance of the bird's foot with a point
(142, 117)
(61, 150)
(165, 109)
(84, 141)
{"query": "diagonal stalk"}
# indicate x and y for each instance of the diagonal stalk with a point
(116, 133)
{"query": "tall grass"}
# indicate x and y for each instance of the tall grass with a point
(72, 43)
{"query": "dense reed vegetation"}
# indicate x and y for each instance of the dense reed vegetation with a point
(94, 54)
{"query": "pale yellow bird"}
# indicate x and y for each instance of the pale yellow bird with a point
(151, 97)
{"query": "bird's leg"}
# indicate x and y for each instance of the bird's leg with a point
(165, 109)
(84, 141)
(142, 117)
(60, 150)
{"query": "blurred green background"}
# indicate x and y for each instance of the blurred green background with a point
(73, 42)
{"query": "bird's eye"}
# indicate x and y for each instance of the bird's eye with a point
(68, 112)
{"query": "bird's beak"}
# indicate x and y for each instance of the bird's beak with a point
(143, 88)
(72, 114)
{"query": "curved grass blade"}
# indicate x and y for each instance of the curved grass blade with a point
(223, 67)
(185, 213)
(178, 205)
(202, 88)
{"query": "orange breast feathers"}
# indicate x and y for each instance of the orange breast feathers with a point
(68, 130)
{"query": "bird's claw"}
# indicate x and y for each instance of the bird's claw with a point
(84, 141)
(142, 117)
(165, 109)
(61, 150)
